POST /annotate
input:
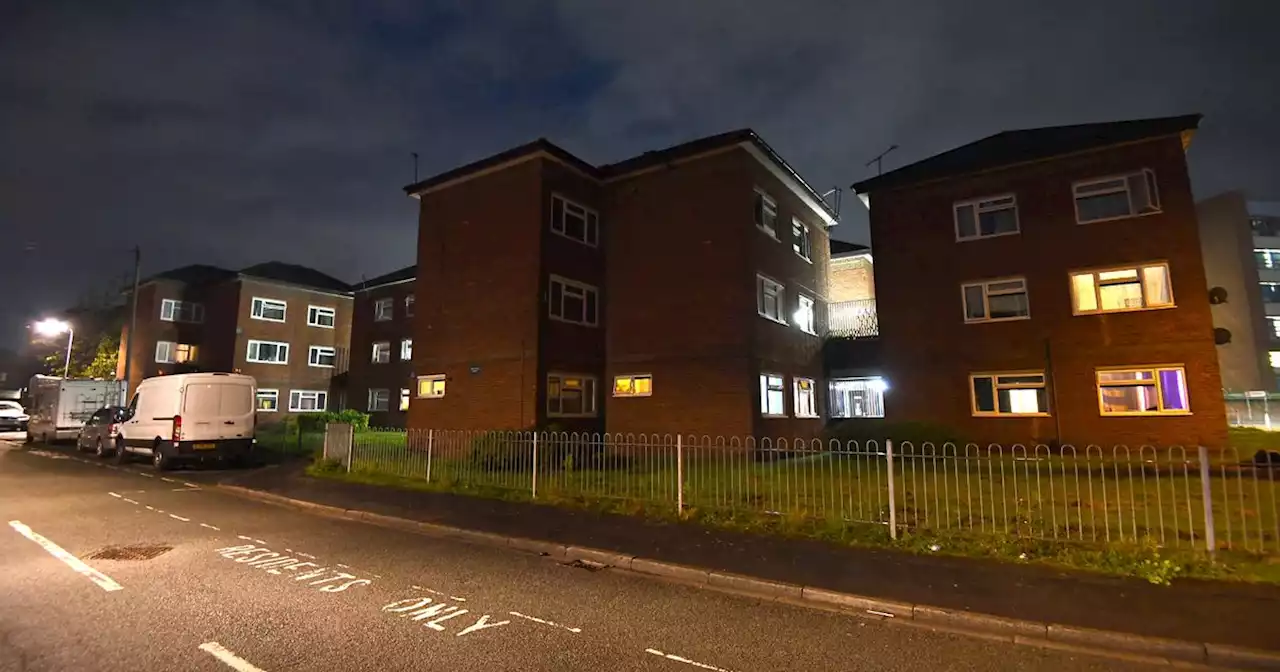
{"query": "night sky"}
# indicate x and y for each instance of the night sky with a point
(233, 133)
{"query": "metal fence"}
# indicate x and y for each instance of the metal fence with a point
(1174, 497)
(853, 319)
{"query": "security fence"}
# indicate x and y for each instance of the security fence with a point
(1174, 497)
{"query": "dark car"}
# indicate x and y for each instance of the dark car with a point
(99, 431)
(12, 417)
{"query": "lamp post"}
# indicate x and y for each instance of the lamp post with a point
(52, 327)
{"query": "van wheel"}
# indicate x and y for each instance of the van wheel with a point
(122, 455)
(159, 460)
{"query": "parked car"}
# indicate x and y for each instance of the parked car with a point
(190, 417)
(13, 418)
(99, 431)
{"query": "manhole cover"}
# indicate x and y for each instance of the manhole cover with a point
(135, 552)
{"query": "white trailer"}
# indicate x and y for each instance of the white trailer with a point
(59, 407)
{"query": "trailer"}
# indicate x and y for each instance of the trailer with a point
(59, 407)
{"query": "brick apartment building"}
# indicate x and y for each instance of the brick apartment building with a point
(1047, 284)
(287, 326)
(380, 380)
(677, 291)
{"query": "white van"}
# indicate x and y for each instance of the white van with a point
(189, 417)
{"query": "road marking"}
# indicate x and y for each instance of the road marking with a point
(166, 479)
(149, 507)
(456, 599)
(553, 624)
(686, 661)
(144, 475)
(131, 501)
(191, 485)
(230, 659)
(185, 520)
(104, 582)
(210, 527)
(115, 494)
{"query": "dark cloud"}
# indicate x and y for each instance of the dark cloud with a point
(233, 133)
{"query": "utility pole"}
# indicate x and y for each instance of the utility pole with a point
(133, 317)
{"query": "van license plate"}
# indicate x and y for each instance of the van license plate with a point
(205, 446)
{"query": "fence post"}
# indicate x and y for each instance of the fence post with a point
(351, 446)
(1207, 492)
(430, 440)
(893, 507)
(535, 466)
(679, 474)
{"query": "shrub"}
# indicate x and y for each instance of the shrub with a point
(317, 421)
(917, 433)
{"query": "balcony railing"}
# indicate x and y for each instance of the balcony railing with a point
(853, 319)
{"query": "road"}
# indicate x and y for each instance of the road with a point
(124, 569)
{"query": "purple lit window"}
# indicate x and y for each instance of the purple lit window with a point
(1173, 390)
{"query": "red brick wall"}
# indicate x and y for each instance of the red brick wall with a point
(363, 374)
(930, 351)
(852, 279)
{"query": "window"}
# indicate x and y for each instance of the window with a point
(573, 302)
(766, 213)
(1136, 288)
(800, 240)
(1275, 327)
(634, 385)
(1267, 259)
(571, 396)
(996, 300)
(1116, 197)
(1274, 358)
(406, 349)
(858, 397)
(574, 221)
(268, 309)
(431, 387)
(1270, 292)
(383, 310)
(408, 305)
(168, 352)
(308, 401)
(268, 401)
(268, 352)
(1265, 226)
(769, 295)
(1009, 394)
(404, 399)
(379, 400)
(806, 404)
(1156, 390)
(381, 352)
(319, 316)
(805, 314)
(181, 311)
(986, 217)
(321, 355)
(772, 396)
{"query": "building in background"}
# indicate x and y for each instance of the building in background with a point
(380, 380)
(1047, 285)
(856, 382)
(1239, 257)
(287, 326)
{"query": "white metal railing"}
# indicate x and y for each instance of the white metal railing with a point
(853, 319)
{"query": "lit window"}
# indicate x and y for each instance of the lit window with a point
(805, 314)
(1009, 393)
(322, 356)
(574, 221)
(1274, 358)
(404, 399)
(431, 387)
(1143, 391)
(635, 385)
(1116, 197)
(319, 316)
(408, 305)
(773, 396)
(381, 352)
(406, 349)
(270, 310)
(996, 300)
(268, 352)
(573, 302)
(571, 396)
(1136, 288)
(379, 400)
(800, 240)
(986, 217)
(181, 311)
(168, 352)
(766, 213)
(1270, 292)
(806, 403)
(858, 397)
(383, 310)
(769, 295)
(308, 401)
(268, 401)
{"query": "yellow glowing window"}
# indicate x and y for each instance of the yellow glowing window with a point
(633, 386)
(430, 387)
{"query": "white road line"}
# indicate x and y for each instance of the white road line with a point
(191, 485)
(553, 624)
(115, 494)
(149, 507)
(104, 582)
(210, 527)
(144, 475)
(131, 501)
(185, 520)
(307, 556)
(241, 536)
(230, 659)
(455, 598)
(259, 541)
(686, 661)
(167, 479)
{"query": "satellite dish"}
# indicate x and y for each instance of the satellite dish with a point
(1217, 295)
(1221, 336)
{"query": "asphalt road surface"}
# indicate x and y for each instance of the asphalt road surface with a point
(124, 569)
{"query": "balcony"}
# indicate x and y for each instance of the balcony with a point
(853, 319)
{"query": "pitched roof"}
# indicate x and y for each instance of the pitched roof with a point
(1010, 147)
(539, 145)
(406, 273)
(194, 274)
(840, 248)
(294, 274)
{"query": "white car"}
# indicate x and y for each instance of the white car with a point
(13, 418)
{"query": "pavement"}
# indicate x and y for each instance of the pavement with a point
(104, 568)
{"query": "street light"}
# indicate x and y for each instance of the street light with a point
(52, 327)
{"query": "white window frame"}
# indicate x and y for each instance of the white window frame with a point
(631, 391)
(983, 205)
(380, 346)
(986, 299)
(812, 327)
(175, 307)
(762, 202)
(272, 394)
(1155, 370)
(384, 309)
(590, 220)
(409, 301)
(801, 239)
(593, 398)
(581, 290)
(249, 356)
(406, 349)
(316, 351)
(997, 385)
(767, 386)
(1275, 327)
(377, 394)
(805, 408)
(321, 398)
(405, 396)
(314, 313)
(1146, 174)
(259, 306)
(169, 348)
(433, 378)
(1097, 288)
(767, 287)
